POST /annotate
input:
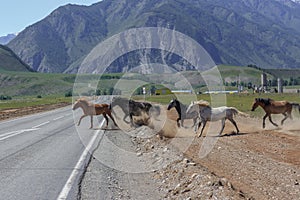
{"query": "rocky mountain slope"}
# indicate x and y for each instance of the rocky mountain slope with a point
(9, 61)
(264, 33)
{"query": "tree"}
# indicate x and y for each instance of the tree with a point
(110, 90)
(98, 92)
(152, 90)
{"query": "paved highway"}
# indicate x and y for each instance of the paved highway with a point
(42, 156)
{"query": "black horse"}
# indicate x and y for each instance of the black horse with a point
(181, 110)
(132, 108)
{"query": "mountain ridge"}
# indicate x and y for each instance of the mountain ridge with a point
(7, 38)
(9, 61)
(264, 33)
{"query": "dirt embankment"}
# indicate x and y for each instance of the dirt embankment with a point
(260, 163)
(254, 164)
(19, 112)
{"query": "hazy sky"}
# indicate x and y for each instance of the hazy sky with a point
(15, 15)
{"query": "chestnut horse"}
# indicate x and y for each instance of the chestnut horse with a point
(90, 109)
(274, 107)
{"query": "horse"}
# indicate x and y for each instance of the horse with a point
(181, 110)
(207, 113)
(131, 108)
(274, 107)
(90, 109)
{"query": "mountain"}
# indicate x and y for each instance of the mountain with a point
(9, 61)
(6, 39)
(296, 1)
(233, 32)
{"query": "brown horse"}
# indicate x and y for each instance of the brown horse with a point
(90, 109)
(274, 107)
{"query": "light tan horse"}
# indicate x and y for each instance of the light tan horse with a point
(90, 109)
(274, 107)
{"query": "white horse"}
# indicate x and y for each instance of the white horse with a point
(207, 113)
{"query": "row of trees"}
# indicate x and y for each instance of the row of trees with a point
(98, 92)
(271, 82)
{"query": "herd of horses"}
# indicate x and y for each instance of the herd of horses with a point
(198, 111)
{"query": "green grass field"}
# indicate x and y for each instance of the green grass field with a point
(22, 102)
(243, 102)
(24, 87)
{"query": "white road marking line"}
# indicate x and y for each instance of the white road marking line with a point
(58, 118)
(42, 124)
(14, 133)
(68, 186)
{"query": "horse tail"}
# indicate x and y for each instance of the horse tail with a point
(237, 112)
(296, 106)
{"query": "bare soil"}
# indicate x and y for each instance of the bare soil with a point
(260, 163)
(19, 112)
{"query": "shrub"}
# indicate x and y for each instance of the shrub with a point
(69, 94)
(4, 97)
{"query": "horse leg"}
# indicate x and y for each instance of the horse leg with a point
(91, 121)
(182, 121)
(106, 119)
(131, 120)
(195, 126)
(223, 125)
(204, 123)
(195, 121)
(234, 123)
(109, 114)
(285, 117)
(178, 122)
(81, 119)
(264, 120)
(270, 119)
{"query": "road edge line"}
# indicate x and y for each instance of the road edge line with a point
(70, 182)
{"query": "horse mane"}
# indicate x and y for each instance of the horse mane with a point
(266, 101)
(202, 103)
(85, 101)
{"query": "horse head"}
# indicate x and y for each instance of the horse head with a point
(172, 104)
(255, 104)
(76, 104)
(261, 102)
(79, 103)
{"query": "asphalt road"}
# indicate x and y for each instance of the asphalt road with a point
(42, 156)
